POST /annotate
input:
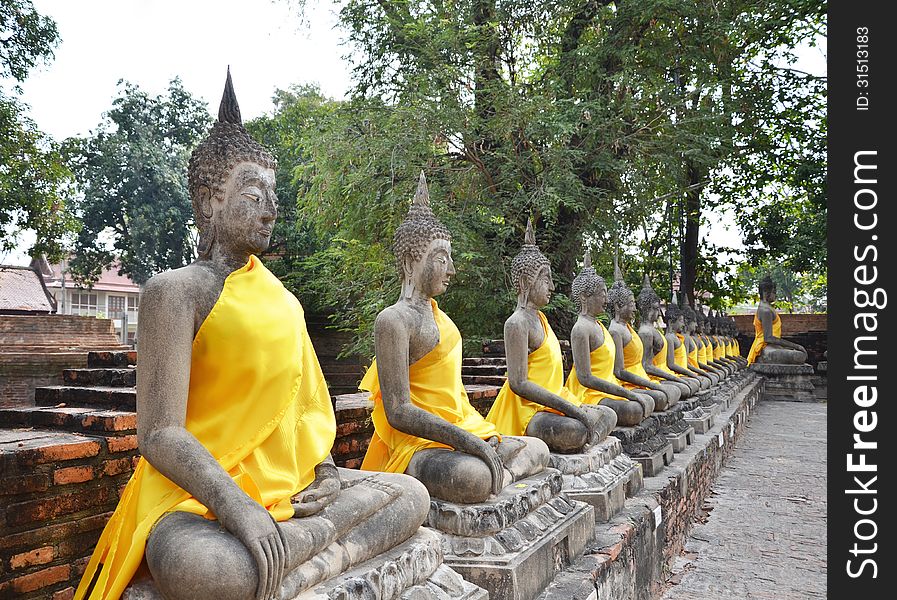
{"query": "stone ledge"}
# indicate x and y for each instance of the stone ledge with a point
(631, 553)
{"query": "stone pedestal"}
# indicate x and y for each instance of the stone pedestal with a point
(791, 383)
(699, 420)
(680, 441)
(413, 570)
(514, 544)
(600, 477)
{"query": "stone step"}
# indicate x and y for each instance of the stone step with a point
(475, 361)
(497, 380)
(70, 418)
(90, 397)
(117, 358)
(484, 369)
(104, 377)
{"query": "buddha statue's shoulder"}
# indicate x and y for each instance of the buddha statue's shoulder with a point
(193, 288)
(398, 317)
(618, 329)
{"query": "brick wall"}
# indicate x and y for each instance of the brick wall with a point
(792, 324)
(57, 490)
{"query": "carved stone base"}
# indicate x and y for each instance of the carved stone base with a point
(700, 421)
(680, 441)
(652, 464)
(413, 570)
(791, 383)
(598, 477)
(514, 544)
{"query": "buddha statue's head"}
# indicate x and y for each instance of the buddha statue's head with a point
(589, 290)
(648, 302)
(423, 248)
(767, 289)
(673, 316)
(230, 179)
(620, 299)
(531, 273)
(690, 317)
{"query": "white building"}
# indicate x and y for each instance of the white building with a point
(113, 296)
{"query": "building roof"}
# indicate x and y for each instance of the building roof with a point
(22, 291)
(109, 281)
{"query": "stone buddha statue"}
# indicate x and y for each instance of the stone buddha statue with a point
(534, 399)
(768, 346)
(656, 355)
(424, 423)
(720, 342)
(735, 346)
(706, 350)
(236, 495)
(677, 349)
(693, 345)
(629, 352)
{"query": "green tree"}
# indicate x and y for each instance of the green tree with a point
(34, 182)
(596, 117)
(132, 177)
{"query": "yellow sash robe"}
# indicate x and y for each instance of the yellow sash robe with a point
(436, 387)
(510, 413)
(759, 342)
(660, 360)
(633, 352)
(601, 362)
(680, 355)
(718, 350)
(702, 350)
(694, 356)
(259, 404)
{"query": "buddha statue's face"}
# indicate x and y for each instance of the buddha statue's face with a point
(244, 217)
(678, 324)
(431, 274)
(691, 327)
(770, 294)
(626, 310)
(653, 312)
(595, 303)
(541, 288)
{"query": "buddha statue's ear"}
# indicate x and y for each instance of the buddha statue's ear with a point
(204, 197)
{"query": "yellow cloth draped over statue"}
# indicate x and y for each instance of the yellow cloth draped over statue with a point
(633, 352)
(257, 401)
(718, 351)
(436, 387)
(759, 342)
(510, 413)
(601, 362)
(680, 355)
(694, 357)
(660, 360)
(702, 351)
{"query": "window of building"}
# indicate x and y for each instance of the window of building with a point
(84, 303)
(133, 302)
(115, 305)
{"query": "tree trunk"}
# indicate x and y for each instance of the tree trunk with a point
(688, 250)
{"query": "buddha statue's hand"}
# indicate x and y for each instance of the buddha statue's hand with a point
(254, 526)
(487, 453)
(321, 492)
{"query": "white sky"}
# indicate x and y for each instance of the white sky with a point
(149, 42)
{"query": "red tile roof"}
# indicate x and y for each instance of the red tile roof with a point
(21, 291)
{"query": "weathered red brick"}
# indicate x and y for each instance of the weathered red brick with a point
(40, 579)
(68, 475)
(121, 444)
(24, 484)
(38, 556)
(72, 451)
(117, 466)
(53, 533)
(66, 594)
(47, 508)
(80, 566)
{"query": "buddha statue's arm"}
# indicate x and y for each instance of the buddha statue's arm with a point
(517, 357)
(671, 356)
(767, 315)
(321, 492)
(391, 346)
(579, 344)
(620, 372)
(647, 337)
(165, 334)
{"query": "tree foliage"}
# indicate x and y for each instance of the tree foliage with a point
(613, 123)
(132, 178)
(34, 182)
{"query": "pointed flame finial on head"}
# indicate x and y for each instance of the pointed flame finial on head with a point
(675, 300)
(530, 236)
(646, 282)
(229, 110)
(618, 274)
(422, 195)
(587, 260)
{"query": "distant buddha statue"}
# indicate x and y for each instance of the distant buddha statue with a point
(677, 349)
(735, 347)
(424, 423)
(534, 399)
(235, 495)
(629, 352)
(656, 354)
(593, 379)
(720, 342)
(707, 353)
(693, 347)
(768, 346)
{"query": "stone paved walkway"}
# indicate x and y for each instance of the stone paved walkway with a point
(765, 537)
